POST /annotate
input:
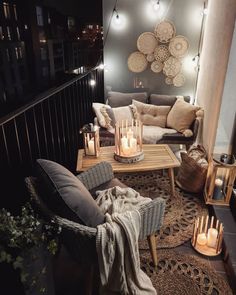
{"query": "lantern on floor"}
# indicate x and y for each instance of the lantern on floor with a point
(220, 179)
(128, 141)
(91, 140)
(207, 236)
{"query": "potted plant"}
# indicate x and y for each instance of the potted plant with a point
(26, 242)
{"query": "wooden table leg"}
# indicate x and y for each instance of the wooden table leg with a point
(172, 180)
(153, 248)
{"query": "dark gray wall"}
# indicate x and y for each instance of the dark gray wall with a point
(138, 17)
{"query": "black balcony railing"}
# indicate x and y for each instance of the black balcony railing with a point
(48, 127)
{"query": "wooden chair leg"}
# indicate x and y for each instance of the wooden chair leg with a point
(152, 247)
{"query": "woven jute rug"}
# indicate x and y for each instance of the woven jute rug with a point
(180, 212)
(181, 274)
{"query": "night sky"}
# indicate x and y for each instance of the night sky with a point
(87, 10)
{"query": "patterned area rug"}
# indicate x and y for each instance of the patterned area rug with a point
(181, 274)
(180, 210)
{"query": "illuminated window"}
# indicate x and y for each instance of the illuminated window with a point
(18, 33)
(49, 18)
(15, 11)
(8, 33)
(70, 22)
(6, 9)
(1, 34)
(39, 14)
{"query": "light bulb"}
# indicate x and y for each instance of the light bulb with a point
(205, 11)
(92, 82)
(117, 19)
(101, 66)
(156, 6)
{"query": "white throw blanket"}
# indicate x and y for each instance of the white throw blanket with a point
(118, 200)
(117, 244)
(152, 134)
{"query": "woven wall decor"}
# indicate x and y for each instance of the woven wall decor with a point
(164, 31)
(165, 57)
(178, 46)
(172, 66)
(156, 66)
(162, 53)
(147, 42)
(169, 80)
(137, 62)
(179, 80)
(150, 57)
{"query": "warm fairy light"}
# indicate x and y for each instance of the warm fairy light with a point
(92, 82)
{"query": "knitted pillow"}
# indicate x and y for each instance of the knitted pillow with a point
(150, 114)
(182, 115)
(113, 115)
(66, 195)
(97, 110)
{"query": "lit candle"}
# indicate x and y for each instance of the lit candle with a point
(124, 142)
(133, 144)
(202, 239)
(129, 135)
(212, 237)
(217, 193)
(91, 150)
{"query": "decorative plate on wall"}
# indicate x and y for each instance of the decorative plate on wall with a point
(156, 66)
(150, 57)
(172, 66)
(178, 46)
(137, 62)
(162, 53)
(169, 80)
(179, 80)
(164, 31)
(147, 42)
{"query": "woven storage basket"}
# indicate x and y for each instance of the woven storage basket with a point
(192, 175)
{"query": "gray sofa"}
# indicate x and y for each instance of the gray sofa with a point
(117, 99)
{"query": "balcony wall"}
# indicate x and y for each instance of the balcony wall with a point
(138, 17)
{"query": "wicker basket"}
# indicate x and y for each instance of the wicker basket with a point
(192, 173)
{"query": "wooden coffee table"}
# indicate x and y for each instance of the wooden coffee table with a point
(156, 157)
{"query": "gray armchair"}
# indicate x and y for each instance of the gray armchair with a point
(80, 240)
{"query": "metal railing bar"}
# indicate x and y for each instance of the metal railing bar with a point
(41, 97)
(44, 129)
(36, 132)
(57, 127)
(28, 139)
(17, 140)
(63, 128)
(51, 129)
(6, 147)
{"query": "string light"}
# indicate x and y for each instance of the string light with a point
(92, 82)
(156, 5)
(117, 19)
(101, 66)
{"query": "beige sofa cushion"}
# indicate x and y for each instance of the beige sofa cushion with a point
(182, 115)
(113, 115)
(149, 114)
(97, 110)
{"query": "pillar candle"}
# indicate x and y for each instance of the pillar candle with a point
(217, 193)
(212, 237)
(91, 150)
(202, 239)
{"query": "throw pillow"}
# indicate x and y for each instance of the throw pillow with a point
(97, 110)
(182, 115)
(118, 99)
(66, 195)
(150, 114)
(114, 115)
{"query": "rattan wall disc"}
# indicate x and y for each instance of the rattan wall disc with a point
(164, 31)
(137, 62)
(161, 53)
(178, 46)
(172, 66)
(169, 80)
(147, 42)
(150, 57)
(156, 66)
(179, 80)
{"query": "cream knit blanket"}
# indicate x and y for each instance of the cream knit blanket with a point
(117, 244)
